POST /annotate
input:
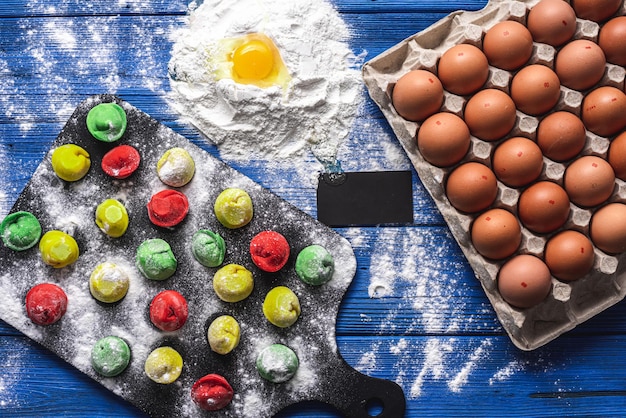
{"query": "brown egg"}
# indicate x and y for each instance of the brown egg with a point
(561, 135)
(524, 281)
(617, 156)
(517, 162)
(496, 234)
(543, 207)
(552, 22)
(463, 69)
(608, 229)
(471, 187)
(603, 111)
(508, 45)
(580, 64)
(490, 114)
(612, 40)
(589, 181)
(443, 139)
(417, 95)
(569, 255)
(535, 89)
(596, 10)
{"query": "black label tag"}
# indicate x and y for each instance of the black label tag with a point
(365, 198)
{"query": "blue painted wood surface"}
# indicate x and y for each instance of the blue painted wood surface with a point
(431, 329)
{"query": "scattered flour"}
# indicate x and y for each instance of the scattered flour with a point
(507, 371)
(380, 285)
(417, 283)
(9, 378)
(435, 360)
(306, 377)
(4, 202)
(253, 402)
(316, 111)
(460, 379)
(424, 289)
(96, 52)
(434, 364)
(367, 362)
(398, 348)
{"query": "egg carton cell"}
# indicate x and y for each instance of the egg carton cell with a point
(568, 302)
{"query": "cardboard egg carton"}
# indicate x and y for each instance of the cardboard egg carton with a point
(569, 303)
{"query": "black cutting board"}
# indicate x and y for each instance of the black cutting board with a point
(323, 374)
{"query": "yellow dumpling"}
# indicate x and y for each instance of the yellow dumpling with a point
(58, 249)
(164, 365)
(250, 59)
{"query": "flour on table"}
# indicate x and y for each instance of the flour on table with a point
(397, 349)
(434, 364)
(315, 112)
(9, 378)
(381, 284)
(416, 282)
(507, 371)
(367, 362)
(460, 379)
(424, 289)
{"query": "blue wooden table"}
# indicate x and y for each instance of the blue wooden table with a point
(414, 314)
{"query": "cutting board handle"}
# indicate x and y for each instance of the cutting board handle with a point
(362, 396)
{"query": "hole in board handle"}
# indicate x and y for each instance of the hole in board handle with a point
(374, 407)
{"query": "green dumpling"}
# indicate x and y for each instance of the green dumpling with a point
(208, 248)
(155, 259)
(315, 265)
(277, 363)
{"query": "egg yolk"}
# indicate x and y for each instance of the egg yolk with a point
(253, 60)
(250, 59)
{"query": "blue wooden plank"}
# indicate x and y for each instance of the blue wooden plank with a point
(22, 8)
(407, 7)
(484, 376)
(10, 8)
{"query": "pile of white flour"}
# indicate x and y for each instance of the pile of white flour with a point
(316, 111)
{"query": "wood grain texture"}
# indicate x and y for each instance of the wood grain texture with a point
(427, 325)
